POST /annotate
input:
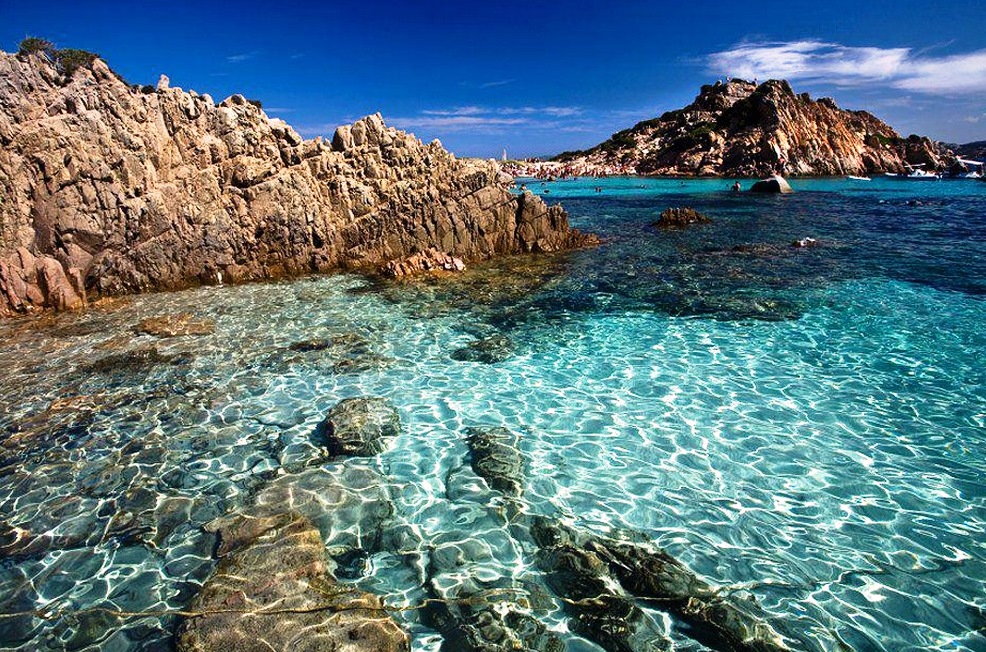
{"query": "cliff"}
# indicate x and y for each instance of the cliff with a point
(743, 129)
(107, 188)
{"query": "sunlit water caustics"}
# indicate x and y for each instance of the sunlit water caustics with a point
(805, 425)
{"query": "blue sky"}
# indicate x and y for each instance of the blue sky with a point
(533, 77)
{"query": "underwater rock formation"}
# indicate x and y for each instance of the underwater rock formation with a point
(359, 426)
(176, 325)
(496, 458)
(108, 189)
(276, 591)
(489, 350)
(597, 609)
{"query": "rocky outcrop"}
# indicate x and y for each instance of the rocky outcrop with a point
(749, 130)
(107, 189)
(679, 217)
(774, 185)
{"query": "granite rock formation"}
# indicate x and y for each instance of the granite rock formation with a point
(743, 129)
(107, 189)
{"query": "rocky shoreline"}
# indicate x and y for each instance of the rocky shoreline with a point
(109, 189)
(747, 129)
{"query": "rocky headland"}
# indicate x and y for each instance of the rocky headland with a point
(108, 188)
(743, 129)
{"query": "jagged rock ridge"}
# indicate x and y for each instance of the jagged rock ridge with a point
(107, 188)
(743, 129)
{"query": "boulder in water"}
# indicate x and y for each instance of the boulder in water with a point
(359, 426)
(775, 184)
(679, 217)
(496, 458)
(489, 350)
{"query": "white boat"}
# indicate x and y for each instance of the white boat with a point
(853, 177)
(916, 174)
(971, 174)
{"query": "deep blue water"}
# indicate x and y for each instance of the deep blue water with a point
(807, 424)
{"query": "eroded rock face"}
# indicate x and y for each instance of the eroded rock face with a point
(277, 592)
(110, 189)
(750, 130)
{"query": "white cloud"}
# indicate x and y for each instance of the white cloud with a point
(502, 82)
(453, 122)
(487, 119)
(844, 65)
(241, 57)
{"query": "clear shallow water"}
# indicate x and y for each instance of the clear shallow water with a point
(808, 424)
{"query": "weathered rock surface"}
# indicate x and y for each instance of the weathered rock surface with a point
(109, 189)
(749, 130)
(679, 217)
(429, 261)
(359, 426)
(277, 592)
(774, 185)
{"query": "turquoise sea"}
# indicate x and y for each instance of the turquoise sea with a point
(806, 425)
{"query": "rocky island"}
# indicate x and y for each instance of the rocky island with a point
(743, 129)
(108, 188)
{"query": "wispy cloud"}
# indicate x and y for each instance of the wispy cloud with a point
(492, 84)
(454, 122)
(815, 60)
(487, 119)
(241, 57)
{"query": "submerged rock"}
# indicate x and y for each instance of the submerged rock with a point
(478, 625)
(176, 325)
(597, 609)
(350, 506)
(276, 591)
(678, 217)
(489, 350)
(775, 184)
(496, 458)
(359, 426)
(712, 616)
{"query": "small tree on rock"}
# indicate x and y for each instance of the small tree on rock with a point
(35, 45)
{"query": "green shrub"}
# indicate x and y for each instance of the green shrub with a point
(34, 45)
(69, 60)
